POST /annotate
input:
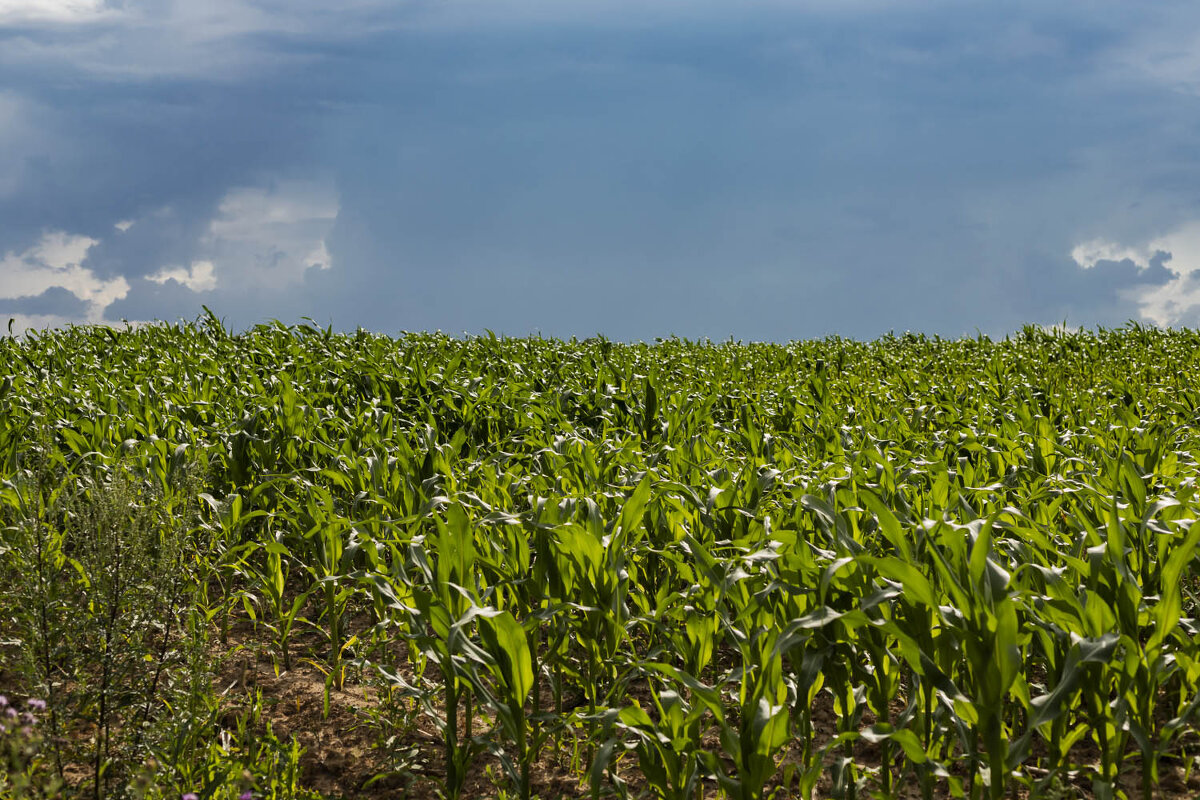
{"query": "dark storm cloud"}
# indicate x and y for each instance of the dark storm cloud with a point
(55, 301)
(785, 171)
(1060, 292)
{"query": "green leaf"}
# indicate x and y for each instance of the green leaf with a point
(1168, 610)
(888, 524)
(916, 586)
(631, 512)
(506, 641)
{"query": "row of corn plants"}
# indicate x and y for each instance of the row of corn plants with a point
(683, 569)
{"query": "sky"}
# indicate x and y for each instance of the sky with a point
(761, 170)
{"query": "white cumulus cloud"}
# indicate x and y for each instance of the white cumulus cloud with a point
(59, 250)
(39, 322)
(200, 278)
(57, 261)
(1163, 304)
(271, 236)
(1089, 254)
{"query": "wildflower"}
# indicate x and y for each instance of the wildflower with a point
(190, 796)
(3, 701)
(34, 702)
(246, 796)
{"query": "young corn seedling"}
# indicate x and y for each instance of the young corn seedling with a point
(668, 747)
(441, 625)
(985, 620)
(271, 581)
(512, 659)
(330, 561)
(762, 725)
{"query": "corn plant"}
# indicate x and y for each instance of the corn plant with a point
(979, 554)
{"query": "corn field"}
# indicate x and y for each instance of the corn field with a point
(911, 567)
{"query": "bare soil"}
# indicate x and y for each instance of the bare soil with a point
(365, 747)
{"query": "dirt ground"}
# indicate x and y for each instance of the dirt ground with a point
(358, 752)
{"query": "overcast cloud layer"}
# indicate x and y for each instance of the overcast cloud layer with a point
(761, 170)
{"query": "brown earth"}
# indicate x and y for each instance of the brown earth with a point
(359, 751)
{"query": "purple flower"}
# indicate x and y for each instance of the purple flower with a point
(33, 702)
(190, 796)
(246, 796)
(3, 701)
